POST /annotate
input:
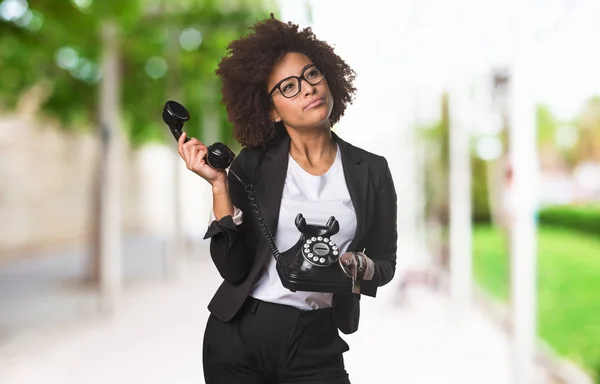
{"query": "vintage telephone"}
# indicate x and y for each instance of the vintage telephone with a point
(312, 264)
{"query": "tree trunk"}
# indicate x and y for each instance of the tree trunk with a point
(106, 239)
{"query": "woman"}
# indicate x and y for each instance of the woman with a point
(283, 90)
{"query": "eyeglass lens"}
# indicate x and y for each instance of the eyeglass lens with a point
(291, 86)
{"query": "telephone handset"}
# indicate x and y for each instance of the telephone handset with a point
(312, 264)
(219, 156)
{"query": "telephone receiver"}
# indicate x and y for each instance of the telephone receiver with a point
(219, 156)
(312, 264)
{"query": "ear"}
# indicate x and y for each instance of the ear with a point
(274, 116)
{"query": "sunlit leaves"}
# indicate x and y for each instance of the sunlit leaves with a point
(169, 49)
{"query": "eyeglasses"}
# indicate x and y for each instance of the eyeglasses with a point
(291, 86)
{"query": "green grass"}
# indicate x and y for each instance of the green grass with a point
(568, 287)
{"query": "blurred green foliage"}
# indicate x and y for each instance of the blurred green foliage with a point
(587, 122)
(576, 140)
(169, 50)
(587, 147)
(437, 162)
(480, 204)
(568, 286)
(583, 218)
(547, 124)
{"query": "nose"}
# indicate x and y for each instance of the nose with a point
(309, 89)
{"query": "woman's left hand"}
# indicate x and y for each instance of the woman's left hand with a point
(349, 262)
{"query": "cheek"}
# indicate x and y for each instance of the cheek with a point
(287, 108)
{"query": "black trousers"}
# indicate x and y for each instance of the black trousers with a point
(272, 343)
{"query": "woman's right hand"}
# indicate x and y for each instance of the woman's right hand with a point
(193, 153)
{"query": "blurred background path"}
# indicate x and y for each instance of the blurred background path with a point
(52, 332)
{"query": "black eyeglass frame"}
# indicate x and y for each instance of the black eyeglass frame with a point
(299, 79)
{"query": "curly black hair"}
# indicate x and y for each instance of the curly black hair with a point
(248, 63)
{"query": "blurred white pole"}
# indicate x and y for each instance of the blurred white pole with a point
(460, 198)
(110, 204)
(407, 165)
(426, 258)
(523, 158)
(460, 178)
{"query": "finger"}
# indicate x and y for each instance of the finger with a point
(181, 147)
(192, 147)
(196, 160)
(347, 258)
(196, 145)
(188, 147)
(194, 141)
(349, 270)
(191, 156)
(180, 143)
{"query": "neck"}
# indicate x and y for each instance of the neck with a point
(313, 147)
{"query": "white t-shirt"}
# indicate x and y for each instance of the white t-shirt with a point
(317, 198)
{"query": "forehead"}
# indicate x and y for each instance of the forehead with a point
(291, 64)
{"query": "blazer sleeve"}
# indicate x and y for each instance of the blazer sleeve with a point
(383, 235)
(230, 244)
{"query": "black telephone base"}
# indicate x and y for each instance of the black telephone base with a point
(298, 285)
(297, 274)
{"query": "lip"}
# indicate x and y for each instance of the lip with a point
(315, 103)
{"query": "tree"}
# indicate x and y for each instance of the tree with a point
(71, 48)
(587, 147)
(437, 183)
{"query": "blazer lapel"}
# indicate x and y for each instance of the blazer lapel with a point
(272, 176)
(356, 173)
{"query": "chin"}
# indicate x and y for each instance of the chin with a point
(316, 118)
(320, 121)
(320, 116)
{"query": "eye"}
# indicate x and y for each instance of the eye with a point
(313, 72)
(288, 87)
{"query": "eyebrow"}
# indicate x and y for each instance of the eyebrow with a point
(306, 67)
(302, 71)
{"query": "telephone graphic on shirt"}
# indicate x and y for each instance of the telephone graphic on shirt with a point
(312, 264)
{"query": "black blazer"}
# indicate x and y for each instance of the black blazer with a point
(240, 253)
